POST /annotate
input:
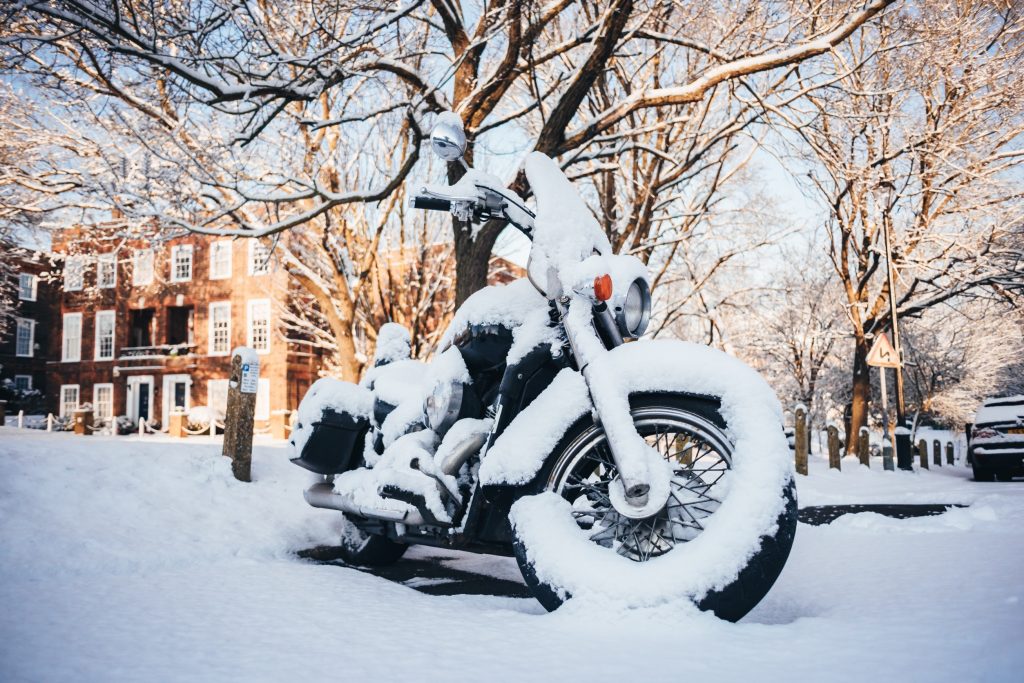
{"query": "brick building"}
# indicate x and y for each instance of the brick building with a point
(145, 327)
(27, 290)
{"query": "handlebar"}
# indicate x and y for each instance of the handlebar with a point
(431, 203)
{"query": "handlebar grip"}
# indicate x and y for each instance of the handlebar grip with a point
(431, 203)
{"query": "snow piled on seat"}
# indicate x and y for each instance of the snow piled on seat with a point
(397, 381)
(328, 392)
(566, 559)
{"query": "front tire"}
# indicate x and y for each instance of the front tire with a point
(691, 433)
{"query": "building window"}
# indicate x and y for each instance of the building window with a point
(26, 338)
(142, 267)
(217, 396)
(259, 258)
(74, 273)
(259, 325)
(105, 335)
(23, 382)
(180, 325)
(27, 284)
(68, 399)
(220, 328)
(220, 260)
(106, 270)
(181, 263)
(71, 347)
(103, 401)
(262, 400)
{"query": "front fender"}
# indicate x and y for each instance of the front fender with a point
(640, 367)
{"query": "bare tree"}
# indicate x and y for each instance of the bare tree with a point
(919, 131)
(579, 77)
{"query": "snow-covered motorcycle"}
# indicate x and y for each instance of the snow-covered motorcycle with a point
(640, 472)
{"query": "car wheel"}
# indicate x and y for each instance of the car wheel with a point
(1004, 476)
(982, 473)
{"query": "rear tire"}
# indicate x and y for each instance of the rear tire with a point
(759, 574)
(368, 550)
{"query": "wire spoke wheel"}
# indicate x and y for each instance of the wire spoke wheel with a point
(701, 458)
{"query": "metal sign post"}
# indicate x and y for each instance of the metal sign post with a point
(882, 356)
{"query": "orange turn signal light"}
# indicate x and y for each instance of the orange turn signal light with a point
(603, 287)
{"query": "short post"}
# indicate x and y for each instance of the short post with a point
(176, 423)
(949, 453)
(922, 452)
(887, 463)
(238, 420)
(833, 448)
(21, 419)
(864, 447)
(279, 424)
(83, 422)
(142, 426)
(3, 413)
(213, 426)
(49, 422)
(936, 453)
(800, 441)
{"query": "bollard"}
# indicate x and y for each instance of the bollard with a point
(833, 448)
(49, 422)
(238, 420)
(83, 422)
(922, 452)
(800, 440)
(142, 426)
(279, 424)
(176, 423)
(949, 453)
(936, 453)
(21, 419)
(213, 427)
(864, 447)
(887, 462)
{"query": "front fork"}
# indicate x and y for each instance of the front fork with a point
(586, 327)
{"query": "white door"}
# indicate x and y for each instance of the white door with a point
(177, 392)
(140, 397)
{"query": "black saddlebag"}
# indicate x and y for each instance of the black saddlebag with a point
(336, 444)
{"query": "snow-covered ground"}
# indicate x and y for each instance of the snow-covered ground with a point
(129, 559)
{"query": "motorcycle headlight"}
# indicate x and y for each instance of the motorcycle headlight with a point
(633, 316)
(448, 403)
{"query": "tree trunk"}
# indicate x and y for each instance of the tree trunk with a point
(472, 257)
(861, 394)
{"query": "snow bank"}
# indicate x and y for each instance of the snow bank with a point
(561, 552)
(328, 392)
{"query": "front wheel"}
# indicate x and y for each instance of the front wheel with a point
(691, 435)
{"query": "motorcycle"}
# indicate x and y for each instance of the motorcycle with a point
(634, 470)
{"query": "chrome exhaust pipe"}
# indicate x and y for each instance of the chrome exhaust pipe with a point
(322, 495)
(455, 460)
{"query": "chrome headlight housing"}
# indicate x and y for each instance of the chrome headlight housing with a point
(448, 403)
(634, 312)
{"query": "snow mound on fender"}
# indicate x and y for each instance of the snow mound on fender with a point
(328, 392)
(565, 559)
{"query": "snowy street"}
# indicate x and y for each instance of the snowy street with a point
(128, 559)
